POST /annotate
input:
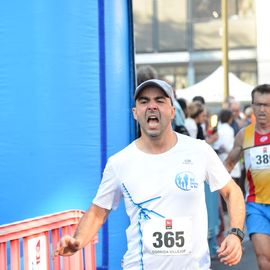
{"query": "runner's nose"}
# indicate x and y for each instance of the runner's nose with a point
(152, 106)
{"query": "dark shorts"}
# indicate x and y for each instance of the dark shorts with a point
(258, 218)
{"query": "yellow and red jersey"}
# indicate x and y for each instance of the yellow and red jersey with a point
(257, 162)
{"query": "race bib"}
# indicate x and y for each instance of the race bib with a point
(260, 157)
(168, 236)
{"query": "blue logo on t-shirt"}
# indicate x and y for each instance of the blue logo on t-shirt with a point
(186, 181)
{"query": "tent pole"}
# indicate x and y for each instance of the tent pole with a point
(224, 11)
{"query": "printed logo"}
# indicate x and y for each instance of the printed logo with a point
(186, 181)
(187, 161)
(168, 224)
(263, 139)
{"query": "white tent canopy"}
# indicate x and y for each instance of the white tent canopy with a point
(212, 89)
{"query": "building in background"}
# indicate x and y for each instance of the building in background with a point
(182, 39)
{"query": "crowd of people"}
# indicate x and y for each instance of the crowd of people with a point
(242, 142)
(161, 177)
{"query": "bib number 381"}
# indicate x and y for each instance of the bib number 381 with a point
(168, 236)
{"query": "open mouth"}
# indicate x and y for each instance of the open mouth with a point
(152, 121)
(152, 118)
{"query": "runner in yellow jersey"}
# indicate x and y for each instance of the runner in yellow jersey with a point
(253, 143)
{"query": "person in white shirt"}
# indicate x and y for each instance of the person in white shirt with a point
(161, 178)
(196, 115)
(225, 141)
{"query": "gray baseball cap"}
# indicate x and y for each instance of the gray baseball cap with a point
(158, 83)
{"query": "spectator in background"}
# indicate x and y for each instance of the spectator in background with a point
(227, 102)
(224, 143)
(249, 117)
(199, 99)
(179, 119)
(237, 122)
(178, 122)
(183, 103)
(223, 146)
(145, 73)
(202, 127)
(196, 115)
(182, 128)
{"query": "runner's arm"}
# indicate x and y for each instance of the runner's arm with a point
(234, 199)
(236, 153)
(86, 231)
(230, 251)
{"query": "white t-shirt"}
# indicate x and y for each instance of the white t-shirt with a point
(191, 126)
(158, 190)
(225, 144)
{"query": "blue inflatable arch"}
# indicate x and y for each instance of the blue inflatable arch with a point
(66, 84)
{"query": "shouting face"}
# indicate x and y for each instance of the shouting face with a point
(154, 111)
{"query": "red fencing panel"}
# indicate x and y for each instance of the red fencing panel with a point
(31, 243)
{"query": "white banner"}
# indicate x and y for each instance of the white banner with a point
(37, 253)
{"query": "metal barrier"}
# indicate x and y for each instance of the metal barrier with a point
(29, 244)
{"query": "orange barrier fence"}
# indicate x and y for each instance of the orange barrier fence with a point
(29, 244)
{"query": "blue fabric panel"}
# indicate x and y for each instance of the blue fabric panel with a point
(120, 87)
(49, 107)
(63, 108)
